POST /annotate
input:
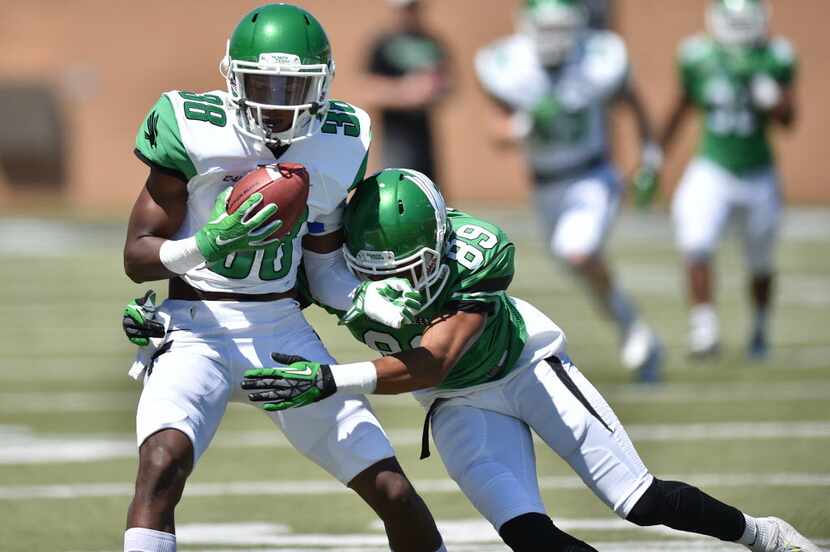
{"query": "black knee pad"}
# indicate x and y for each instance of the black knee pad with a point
(534, 532)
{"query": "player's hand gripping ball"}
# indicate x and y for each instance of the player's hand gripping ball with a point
(286, 185)
(262, 208)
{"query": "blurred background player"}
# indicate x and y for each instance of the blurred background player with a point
(409, 72)
(554, 81)
(741, 81)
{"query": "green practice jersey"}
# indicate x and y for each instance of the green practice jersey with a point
(480, 261)
(717, 80)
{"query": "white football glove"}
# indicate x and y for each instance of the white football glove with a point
(391, 302)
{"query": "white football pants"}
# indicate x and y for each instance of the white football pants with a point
(576, 215)
(213, 343)
(484, 439)
(709, 196)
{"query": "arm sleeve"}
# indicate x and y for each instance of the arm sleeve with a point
(329, 279)
(159, 144)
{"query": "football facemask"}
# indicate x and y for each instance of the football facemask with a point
(738, 22)
(278, 68)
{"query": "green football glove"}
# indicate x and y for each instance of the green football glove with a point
(645, 184)
(646, 181)
(138, 320)
(299, 383)
(392, 302)
(241, 230)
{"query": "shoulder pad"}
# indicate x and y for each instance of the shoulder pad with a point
(488, 267)
(509, 71)
(606, 61)
(695, 48)
(336, 158)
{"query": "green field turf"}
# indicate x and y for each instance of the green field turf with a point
(755, 434)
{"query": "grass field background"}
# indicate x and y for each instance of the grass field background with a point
(756, 434)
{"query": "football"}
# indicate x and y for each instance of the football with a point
(285, 184)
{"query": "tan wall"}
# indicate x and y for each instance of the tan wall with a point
(111, 59)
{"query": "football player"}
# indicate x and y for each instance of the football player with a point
(741, 81)
(489, 368)
(232, 290)
(554, 82)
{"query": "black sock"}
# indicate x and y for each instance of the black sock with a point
(686, 508)
(536, 532)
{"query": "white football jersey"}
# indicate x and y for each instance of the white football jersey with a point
(193, 136)
(576, 95)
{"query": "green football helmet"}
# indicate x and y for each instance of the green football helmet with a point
(278, 67)
(553, 27)
(396, 225)
(738, 22)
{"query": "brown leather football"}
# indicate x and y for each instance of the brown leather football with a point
(285, 184)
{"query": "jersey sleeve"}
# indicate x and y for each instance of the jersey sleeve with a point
(480, 284)
(159, 143)
(495, 276)
(506, 72)
(784, 61)
(341, 160)
(686, 66)
(692, 51)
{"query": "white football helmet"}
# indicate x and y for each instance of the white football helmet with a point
(738, 22)
(553, 26)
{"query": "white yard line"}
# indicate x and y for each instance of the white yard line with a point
(440, 485)
(120, 401)
(461, 535)
(21, 446)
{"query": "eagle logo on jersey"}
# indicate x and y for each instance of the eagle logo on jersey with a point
(151, 134)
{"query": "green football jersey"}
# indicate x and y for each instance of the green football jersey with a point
(480, 261)
(717, 80)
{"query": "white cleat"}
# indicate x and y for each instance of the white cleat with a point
(641, 348)
(703, 342)
(776, 535)
(704, 332)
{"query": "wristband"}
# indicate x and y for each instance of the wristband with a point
(181, 256)
(357, 378)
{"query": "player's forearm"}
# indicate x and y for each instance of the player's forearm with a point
(149, 258)
(676, 119)
(785, 113)
(409, 371)
(329, 279)
(631, 96)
